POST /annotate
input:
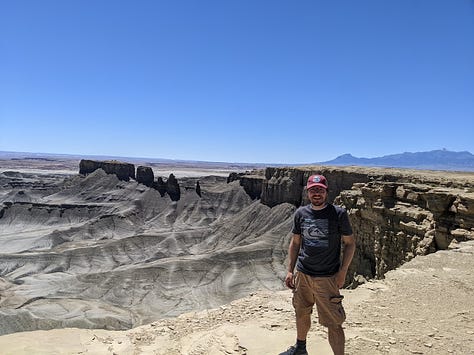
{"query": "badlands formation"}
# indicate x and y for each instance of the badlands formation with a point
(95, 264)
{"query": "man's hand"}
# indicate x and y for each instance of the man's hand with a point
(348, 254)
(341, 277)
(293, 251)
(290, 280)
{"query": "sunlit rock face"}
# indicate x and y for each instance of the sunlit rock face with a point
(395, 214)
(97, 252)
(395, 221)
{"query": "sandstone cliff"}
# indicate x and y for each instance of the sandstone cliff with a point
(396, 214)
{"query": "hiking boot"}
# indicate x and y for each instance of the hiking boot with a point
(293, 350)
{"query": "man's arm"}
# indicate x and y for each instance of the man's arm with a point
(347, 255)
(293, 251)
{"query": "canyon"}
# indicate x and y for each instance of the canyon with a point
(94, 251)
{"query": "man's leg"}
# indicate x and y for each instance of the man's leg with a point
(303, 302)
(331, 312)
(336, 339)
(303, 323)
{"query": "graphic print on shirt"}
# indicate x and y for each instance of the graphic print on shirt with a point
(316, 232)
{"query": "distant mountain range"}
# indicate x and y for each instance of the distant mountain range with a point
(433, 160)
(441, 159)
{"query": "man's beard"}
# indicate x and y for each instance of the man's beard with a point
(318, 202)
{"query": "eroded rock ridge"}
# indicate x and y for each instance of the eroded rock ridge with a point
(144, 175)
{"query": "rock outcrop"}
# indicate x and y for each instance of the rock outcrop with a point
(252, 182)
(172, 188)
(287, 184)
(396, 221)
(282, 185)
(160, 186)
(124, 171)
(198, 188)
(396, 214)
(145, 175)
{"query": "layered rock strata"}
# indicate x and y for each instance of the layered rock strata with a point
(396, 214)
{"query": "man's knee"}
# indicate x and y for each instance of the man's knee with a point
(303, 311)
(336, 329)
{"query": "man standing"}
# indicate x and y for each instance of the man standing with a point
(315, 249)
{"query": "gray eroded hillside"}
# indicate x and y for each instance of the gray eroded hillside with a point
(96, 252)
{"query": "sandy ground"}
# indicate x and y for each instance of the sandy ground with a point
(424, 307)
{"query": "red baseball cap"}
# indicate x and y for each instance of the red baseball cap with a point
(316, 180)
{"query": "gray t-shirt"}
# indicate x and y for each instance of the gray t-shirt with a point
(321, 232)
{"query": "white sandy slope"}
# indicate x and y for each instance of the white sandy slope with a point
(424, 307)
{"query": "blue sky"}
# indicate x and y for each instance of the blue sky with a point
(236, 81)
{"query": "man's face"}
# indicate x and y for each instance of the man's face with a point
(317, 195)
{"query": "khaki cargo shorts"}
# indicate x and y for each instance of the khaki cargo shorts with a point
(322, 291)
